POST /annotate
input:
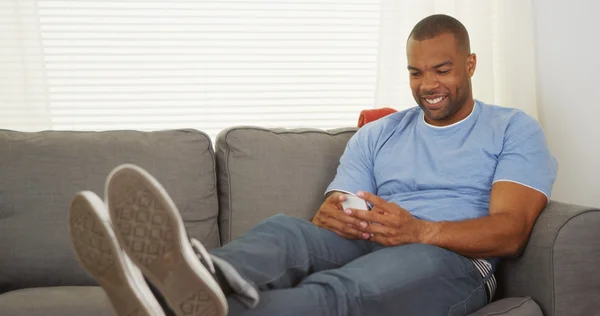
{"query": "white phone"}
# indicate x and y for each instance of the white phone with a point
(353, 201)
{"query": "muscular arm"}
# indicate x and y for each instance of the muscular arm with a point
(514, 209)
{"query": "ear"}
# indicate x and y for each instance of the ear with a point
(471, 64)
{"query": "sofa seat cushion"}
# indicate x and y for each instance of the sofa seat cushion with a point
(41, 172)
(63, 301)
(514, 306)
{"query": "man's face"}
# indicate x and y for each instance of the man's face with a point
(440, 78)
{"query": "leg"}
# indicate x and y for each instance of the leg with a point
(282, 250)
(407, 280)
(278, 253)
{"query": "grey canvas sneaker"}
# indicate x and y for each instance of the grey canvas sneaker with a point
(151, 231)
(98, 251)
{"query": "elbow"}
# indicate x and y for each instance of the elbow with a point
(516, 246)
(514, 250)
(517, 239)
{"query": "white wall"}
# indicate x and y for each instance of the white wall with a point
(568, 81)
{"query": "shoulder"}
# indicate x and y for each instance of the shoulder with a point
(373, 134)
(509, 121)
(388, 124)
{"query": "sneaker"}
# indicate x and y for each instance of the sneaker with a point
(151, 231)
(98, 251)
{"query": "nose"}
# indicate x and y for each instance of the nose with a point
(429, 82)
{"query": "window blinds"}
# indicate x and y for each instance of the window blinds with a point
(135, 64)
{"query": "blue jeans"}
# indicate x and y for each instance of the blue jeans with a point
(301, 269)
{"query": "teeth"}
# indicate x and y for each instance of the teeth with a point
(434, 101)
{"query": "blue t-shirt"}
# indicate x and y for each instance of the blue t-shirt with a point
(446, 173)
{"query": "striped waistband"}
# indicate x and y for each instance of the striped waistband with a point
(485, 269)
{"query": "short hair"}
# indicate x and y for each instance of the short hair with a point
(438, 24)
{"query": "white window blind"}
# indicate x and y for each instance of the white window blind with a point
(135, 64)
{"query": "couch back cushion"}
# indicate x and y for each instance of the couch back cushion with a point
(40, 173)
(263, 172)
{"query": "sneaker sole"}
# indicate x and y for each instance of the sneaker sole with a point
(151, 231)
(99, 254)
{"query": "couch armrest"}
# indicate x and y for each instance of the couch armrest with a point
(514, 306)
(559, 266)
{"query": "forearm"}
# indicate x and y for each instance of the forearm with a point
(496, 235)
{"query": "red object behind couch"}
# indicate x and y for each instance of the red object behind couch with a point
(367, 116)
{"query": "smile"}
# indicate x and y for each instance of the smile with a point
(435, 101)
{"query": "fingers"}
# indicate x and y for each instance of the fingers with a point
(341, 228)
(372, 198)
(379, 210)
(337, 213)
(369, 216)
(354, 221)
(381, 230)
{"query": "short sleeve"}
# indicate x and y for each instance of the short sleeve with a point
(355, 171)
(525, 157)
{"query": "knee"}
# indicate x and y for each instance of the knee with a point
(277, 219)
(279, 216)
(282, 221)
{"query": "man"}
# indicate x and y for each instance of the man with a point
(453, 185)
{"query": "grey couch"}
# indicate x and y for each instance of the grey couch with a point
(253, 173)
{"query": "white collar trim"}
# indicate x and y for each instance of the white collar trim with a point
(453, 124)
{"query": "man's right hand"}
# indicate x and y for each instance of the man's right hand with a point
(331, 216)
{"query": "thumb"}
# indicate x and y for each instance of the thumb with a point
(336, 199)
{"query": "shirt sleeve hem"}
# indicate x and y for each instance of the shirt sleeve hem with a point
(339, 190)
(523, 184)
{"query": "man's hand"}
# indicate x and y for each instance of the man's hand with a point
(332, 217)
(390, 224)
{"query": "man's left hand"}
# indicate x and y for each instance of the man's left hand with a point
(388, 223)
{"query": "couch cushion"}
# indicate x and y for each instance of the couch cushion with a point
(40, 173)
(263, 172)
(514, 306)
(63, 301)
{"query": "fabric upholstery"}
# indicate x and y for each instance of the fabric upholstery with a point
(261, 172)
(56, 301)
(559, 266)
(514, 306)
(40, 173)
(264, 172)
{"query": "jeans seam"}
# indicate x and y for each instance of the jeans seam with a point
(296, 266)
(466, 299)
(282, 273)
(324, 259)
(310, 254)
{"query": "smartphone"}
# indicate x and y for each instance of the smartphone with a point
(353, 201)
